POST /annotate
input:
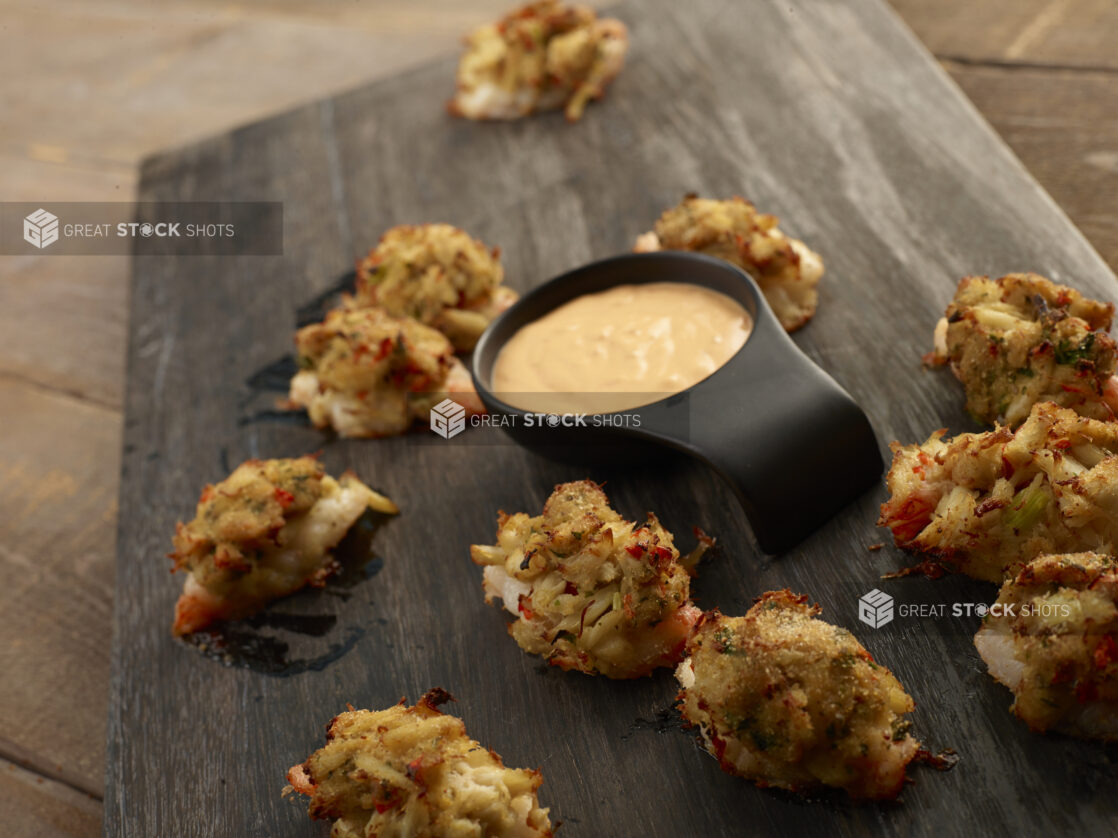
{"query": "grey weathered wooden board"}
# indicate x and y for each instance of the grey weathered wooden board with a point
(827, 113)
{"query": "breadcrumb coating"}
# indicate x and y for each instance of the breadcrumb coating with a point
(407, 772)
(1052, 638)
(1021, 339)
(987, 503)
(264, 532)
(368, 374)
(786, 270)
(591, 591)
(784, 699)
(438, 275)
(538, 57)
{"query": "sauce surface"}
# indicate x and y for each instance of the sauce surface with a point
(621, 348)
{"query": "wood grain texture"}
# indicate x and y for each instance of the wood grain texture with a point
(827, 113)
(185, 70)
(58, 489)
(1070, 33)
(1064, 127)
(33, 805)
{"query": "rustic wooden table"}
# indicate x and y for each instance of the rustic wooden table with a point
(1042, 72)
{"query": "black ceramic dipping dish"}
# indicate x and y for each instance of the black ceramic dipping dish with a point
(793, 444)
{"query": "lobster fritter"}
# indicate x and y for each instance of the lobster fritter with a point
(368, 374)
(784, 699)
(437, 274)
(538, 57)
(591, 591)
(987, 503)
(1022, 339)
(1052, 638)
(413, 771)
(787, 271)
(262, 533)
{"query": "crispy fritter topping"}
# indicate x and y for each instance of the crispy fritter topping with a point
(264, 532)
(363, 371)
(787, 700)
(413, 771)
(591, 591)
(240, 517)
(1054, 632)
(366, 350)
(540, 56)
(1022, 339)
(785, 269)
(987, 503)
(437, 274)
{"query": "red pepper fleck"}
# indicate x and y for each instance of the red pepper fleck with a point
(385, 806)
(524, 609)
(635, 550)
(1065, 673)
(384, 349)
(1106, 652)
(284, 497)
(1086, 692)
(914, 514)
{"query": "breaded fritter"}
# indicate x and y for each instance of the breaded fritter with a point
(437, 274)
(784, 699)
(1052, 638)
(987, 503)
(368, 374)
(407, 772)
(538, 57)
(262, 533)
(787, 271)
(1022, 339)
(590, 590)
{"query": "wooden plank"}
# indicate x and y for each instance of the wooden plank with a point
(829, 114)
(34, 806)
(64, 317)
(58, 482)
(188, 70)
(1071, 33)
(1064, 128)
(75, 342)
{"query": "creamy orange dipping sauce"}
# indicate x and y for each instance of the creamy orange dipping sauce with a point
(621, 348)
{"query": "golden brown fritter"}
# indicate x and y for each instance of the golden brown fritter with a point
(437, 274)
(987, 503)
(412, 772)
(785, 269)
(264, 532)
(1022, 339)
(1052, 638)
(540, 56)
(787, 700)
(591, 591)
(368, 374)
